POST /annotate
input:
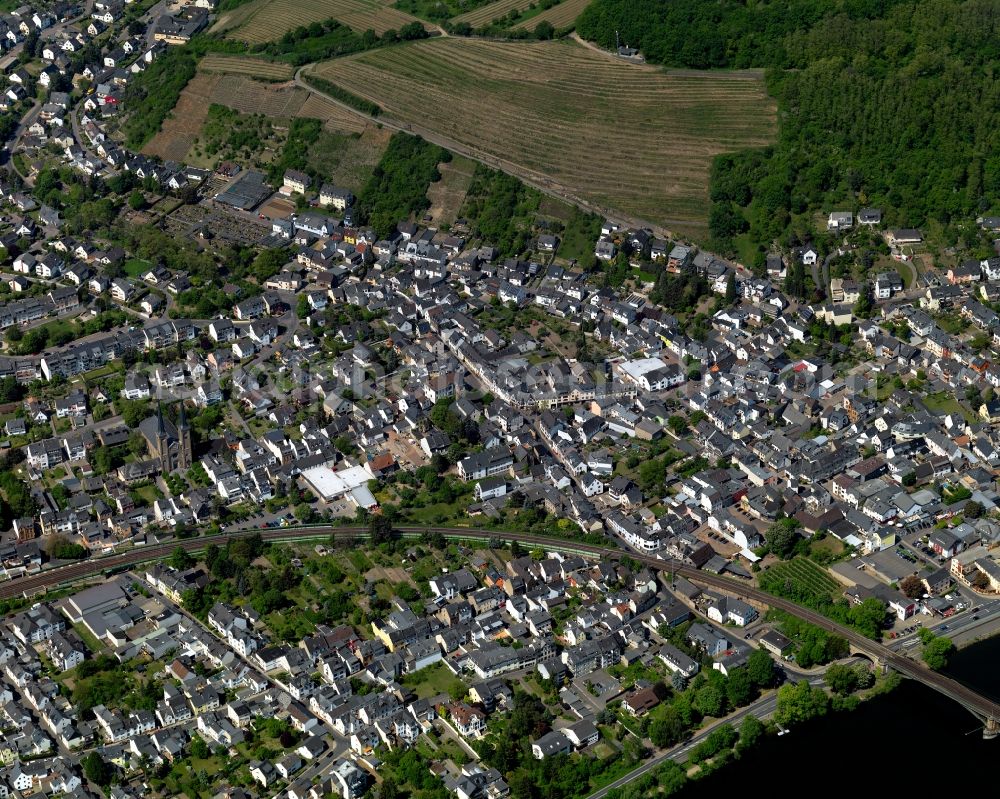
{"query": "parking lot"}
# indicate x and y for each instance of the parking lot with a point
(277, 207)
(963, 612)
(901, 629)
(338, 507)
(718, 542)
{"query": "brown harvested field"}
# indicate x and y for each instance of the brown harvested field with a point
(251, 67)
(447, 195)
(561, 16)
(632, 139)
(268, 20)
(181, 128)
(282, 100)
(484, 15)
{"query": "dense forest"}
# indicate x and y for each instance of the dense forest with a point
(892, 103)
(398, 187)
(500, 208)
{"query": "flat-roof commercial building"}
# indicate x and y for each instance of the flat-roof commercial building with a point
(351, 482)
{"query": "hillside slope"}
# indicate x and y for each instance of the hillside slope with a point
(625, 138)
(892, 103)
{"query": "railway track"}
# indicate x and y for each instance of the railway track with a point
(979, 705)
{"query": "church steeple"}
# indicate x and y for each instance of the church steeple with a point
(162, 441)
(185, 453)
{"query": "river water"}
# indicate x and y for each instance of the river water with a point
(911, 739)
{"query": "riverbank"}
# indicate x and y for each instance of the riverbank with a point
(872, 736)
(866, 743)
(985, 630)
(725, 750)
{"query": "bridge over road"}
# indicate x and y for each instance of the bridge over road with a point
(985, 709)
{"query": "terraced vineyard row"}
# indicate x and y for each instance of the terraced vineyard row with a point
(253, 97)
(243, 65)
(486, 14)
(334, 117)
(181, 128)
(628, 138)
(268, 20)
(561, 16)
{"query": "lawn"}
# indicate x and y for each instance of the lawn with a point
(432, 681)
(88, 638)
(580, 231)
(148, 494)
(884, 387)
(828, 544)
(628, 676)
(952, 323)
(632, 138)
(603, 750)
(210, 765)
(944, 403)
(907, 271)
(136, 267)
(100, 372)
(433, 513)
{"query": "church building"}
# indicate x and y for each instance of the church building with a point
(167, 442)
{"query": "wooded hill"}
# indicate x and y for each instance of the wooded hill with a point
(890, 103)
